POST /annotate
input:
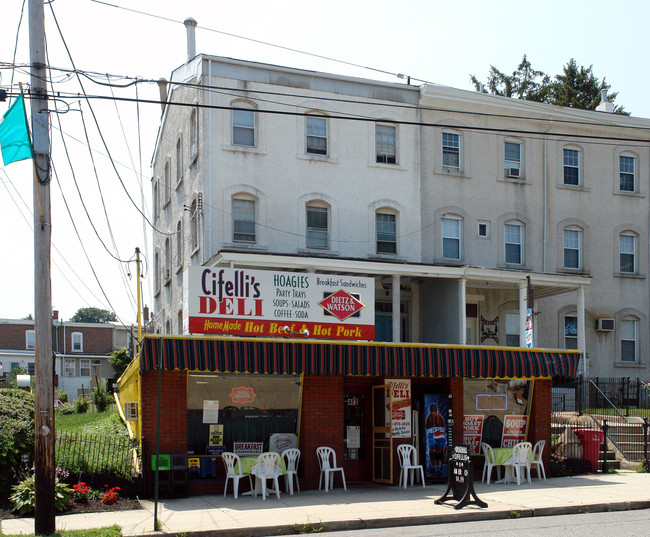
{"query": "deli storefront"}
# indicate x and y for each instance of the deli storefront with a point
(362, 399)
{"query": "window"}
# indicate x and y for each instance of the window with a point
(84, 367)
(450, 151)
(156, 200)
(156, 269)
(627, 248)
(179, 161)
(77, 339)
(572, 248)
(69, 367)
(483, 229)
(571, 167)
(629, 331)
(512, 329)
(243, 214)
(512, 161)
(180, 321)
(385, 144)
(317, 227)
(179, 244)
(194, 225)
(316, 135)
(168, 261)
(243, 127)
(451, 228)
(570, 332)
(166, 185)
(386, 233)
(30, 339)
(627, 166)
(31, 368)
(513, 244)
(194, 134)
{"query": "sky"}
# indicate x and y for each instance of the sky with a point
(102, 149)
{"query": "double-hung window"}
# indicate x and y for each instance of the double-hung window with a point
(77, 340)
(570, 332)
(451, 235)
(571, 167)
(30, 339)
(69, 367)
(316, 135)
(627, 166)
(243, 127)
(629, 335)
(317, 227)
(572, 248)
(450, 151)
(243, 214)
(512, 160)
(627, 251)
(512, 329)
(386, 233)
(513, 244)
(386, 144)
(84, 367)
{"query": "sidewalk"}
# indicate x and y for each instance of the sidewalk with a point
(363, 506)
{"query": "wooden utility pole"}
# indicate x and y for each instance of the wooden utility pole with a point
(44, 519)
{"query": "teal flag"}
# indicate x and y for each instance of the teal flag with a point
(14, 134)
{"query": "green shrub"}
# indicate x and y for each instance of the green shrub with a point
(16, 433)
(101, 397)
(81, 405)
(66, 410)
(61, 395)
(23, 497)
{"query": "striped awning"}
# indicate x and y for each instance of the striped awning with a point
(284, 356)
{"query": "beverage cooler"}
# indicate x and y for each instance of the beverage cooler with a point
(435, 413)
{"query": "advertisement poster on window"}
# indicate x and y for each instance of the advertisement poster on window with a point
(435, 425)
(210, 411)
(216, 435)
(267, 303)
(472, 432)
(400, 413)
(514, 430)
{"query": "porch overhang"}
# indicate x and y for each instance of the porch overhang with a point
(290, 356)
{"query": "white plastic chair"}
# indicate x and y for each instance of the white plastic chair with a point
(291, 457)
(408, 460)
(490, 462)
(327, 468)
(230, 460)
(268, 467)
(537, 463)
(520, 460)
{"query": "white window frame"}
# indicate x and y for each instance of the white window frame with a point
(570, 324)
(84, 365)
(316, 138)
(510, 332)
(507, 242)
(629, 334)
(486, 226)
(384, 220)
(69, 367)
(180, 246)
(627, 251)
(509, 163)
(572, 242)
(385, 150)
(451, 146)
(77, 340)
(452, 236)
(179, 161)
(571, 160)
(244, 122)
(242, 218)
(624, 171)
(315, 233)
(30, 339)
(194, 134)
(168, 261)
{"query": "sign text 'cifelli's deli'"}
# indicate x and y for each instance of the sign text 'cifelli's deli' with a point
(262, 303)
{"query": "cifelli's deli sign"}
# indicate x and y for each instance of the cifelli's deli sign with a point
(267, 303)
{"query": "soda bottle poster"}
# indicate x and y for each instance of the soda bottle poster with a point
(435, 425)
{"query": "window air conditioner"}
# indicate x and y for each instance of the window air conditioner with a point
(513, 172)
(131, 411)
(605, 325)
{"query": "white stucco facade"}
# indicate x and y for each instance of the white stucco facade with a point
(482, 198)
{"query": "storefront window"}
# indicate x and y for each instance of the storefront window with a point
(496, 412)
(224, 408)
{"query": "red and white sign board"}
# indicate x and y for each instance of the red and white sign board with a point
(266, 303)
(472, 432)
(514, 430)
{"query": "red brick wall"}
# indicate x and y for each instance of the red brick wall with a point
(12, 336)
(321, 423)
(96, 340)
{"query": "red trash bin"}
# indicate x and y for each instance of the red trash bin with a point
(591, 440)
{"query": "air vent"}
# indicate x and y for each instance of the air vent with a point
(605, 325)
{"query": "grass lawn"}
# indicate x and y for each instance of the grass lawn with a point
(92, 422)
(111, 531)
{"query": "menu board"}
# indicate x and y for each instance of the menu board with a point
(472, 432)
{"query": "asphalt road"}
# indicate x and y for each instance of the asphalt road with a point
(615, 524)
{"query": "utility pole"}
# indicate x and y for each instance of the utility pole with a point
(44, 518)
(137, 264)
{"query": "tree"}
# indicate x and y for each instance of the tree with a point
(575, 87)
(120, 359)
(93, 315)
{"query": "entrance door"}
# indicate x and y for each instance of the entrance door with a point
(382, 435)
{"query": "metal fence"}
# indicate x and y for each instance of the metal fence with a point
(600, 423)
(97, 454)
